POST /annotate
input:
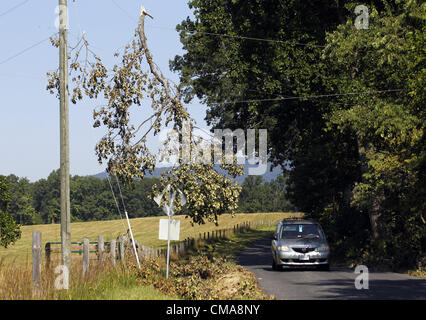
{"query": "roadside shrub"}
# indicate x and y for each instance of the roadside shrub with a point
(201, 277)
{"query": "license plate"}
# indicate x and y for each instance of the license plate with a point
(304, 257)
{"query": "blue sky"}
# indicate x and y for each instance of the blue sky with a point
(29, 115)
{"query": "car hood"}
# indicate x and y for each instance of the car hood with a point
(307, 242)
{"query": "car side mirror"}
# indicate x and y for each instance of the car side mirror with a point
(274, 236)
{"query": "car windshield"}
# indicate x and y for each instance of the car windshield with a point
(294, 231)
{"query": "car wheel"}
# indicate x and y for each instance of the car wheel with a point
(274, 265)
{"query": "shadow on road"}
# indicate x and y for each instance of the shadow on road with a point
(410, 289)
(296, 269)
(257, 253)
(338, 283)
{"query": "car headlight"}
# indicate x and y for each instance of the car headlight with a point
(322, 248)
(283, 248)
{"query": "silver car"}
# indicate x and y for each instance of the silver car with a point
(299, 243)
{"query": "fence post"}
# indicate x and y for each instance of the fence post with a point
(112, 245)
(36, 262)
(85, 257)
(47, 254)
(121, 248)
(101, 248)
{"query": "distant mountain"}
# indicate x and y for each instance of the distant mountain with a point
(268, 175)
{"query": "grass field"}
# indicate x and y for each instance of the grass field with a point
(145, 231)
(124, 281)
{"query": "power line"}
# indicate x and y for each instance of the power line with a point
(122, 10)
(119, 188)
(128, 223)
(308, 97)
(115, 199)
(241, 37)
(25, 50)
(221, 34)
(13, 8)
(259, 39)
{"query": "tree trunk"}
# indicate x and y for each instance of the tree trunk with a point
(374, 207)
(373, 213)
(347, 196)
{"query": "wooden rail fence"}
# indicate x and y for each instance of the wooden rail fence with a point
(116, 248)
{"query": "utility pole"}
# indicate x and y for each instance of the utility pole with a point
(64, 135)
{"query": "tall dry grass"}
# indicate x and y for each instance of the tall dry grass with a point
(16, 281)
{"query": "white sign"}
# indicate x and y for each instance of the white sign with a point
(174, 229)
(165, 233)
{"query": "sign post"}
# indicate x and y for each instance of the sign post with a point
(168, 209)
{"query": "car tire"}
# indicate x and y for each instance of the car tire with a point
(274, 265)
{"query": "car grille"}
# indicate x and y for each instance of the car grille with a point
(303, 250)
(303, 261)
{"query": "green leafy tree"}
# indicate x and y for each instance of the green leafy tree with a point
(4, 193)
(9, 230)
(388, 126)
(260, 196)
(254, 195)
(250, 61)
(46, 196)
(21, 207)
(355, 144)
(279, 200)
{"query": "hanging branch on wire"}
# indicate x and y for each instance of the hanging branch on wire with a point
(129, 84)
(137, 83)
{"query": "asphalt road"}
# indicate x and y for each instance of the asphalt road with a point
(338, 283)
